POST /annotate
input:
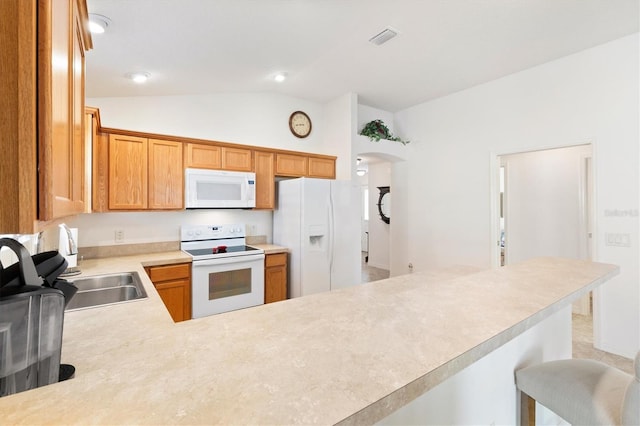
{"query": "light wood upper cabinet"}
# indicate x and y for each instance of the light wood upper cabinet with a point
(291, 165)
(128, 166)
(322, 168)
(61, 38)
(237, 159)
(201, 156)
(42, 86)
(265, 180)
(143, 173)
(166, 176)
(167, 158)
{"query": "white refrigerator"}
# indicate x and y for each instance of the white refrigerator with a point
(318, 220)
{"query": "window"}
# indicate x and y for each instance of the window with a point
(365, 202)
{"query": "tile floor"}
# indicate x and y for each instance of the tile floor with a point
(369, 273)
(583, 345)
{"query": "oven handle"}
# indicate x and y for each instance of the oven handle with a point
(228, 260)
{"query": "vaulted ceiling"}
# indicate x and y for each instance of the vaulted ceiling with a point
(237, 46)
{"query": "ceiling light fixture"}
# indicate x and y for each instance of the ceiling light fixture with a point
(361, 172)
(98, 23)
(383, 36)
(280, 77)
(139, 77)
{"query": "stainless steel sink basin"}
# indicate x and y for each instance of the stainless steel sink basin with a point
(108, 289)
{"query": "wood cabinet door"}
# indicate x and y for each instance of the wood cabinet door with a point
(60, 110)
(166, 177)
(173, 284)
(275, 277)
(322, 168)
(265, 180)
(176, 296)
(99, 165)
(237, 159)
(128, 165)
(291, 165)
(161, 273)
(201, 156)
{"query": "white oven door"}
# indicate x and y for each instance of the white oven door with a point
(226, 284)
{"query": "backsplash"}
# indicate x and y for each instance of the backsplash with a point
(99, 252)
(135, 228)
(129, 233)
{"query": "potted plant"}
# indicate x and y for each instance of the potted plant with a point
(376, 130)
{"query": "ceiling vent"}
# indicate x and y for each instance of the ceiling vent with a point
(383, 36)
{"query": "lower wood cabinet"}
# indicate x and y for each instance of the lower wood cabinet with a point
(275, 277)
(173, 283)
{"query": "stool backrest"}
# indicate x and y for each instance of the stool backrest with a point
(631, 404)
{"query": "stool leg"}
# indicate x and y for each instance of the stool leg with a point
(527, 410)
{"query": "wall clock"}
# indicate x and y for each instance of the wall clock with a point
(300, 124)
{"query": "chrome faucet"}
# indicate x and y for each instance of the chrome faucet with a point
(72, 246)
(39, 246)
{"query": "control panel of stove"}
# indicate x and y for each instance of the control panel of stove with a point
(208, 232)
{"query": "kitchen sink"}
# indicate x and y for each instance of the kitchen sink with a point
(107, 289)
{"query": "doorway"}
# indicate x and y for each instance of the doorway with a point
(546, 207)
(373, 172)
(545, 203)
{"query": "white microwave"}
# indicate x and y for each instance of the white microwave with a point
(219, 189)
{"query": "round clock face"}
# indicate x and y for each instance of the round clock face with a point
(300, 124)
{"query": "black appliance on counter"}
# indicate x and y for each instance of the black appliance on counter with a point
(32, 301)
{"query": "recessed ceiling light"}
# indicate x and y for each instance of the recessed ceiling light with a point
(98, 23)
(280, 77)
(139, 77)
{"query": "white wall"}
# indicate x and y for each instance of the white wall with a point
(588, 97)
(543, 209)
(338, 130)
(379, 232)
(258, 119)
(98, 229)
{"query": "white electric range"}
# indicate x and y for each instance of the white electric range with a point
(226, 274)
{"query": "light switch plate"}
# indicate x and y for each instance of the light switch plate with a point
(618, 240)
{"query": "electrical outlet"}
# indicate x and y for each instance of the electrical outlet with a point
(119, 235)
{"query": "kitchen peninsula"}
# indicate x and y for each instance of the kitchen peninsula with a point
(352, 356)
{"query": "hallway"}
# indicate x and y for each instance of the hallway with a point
(582, 332)
(369, 273)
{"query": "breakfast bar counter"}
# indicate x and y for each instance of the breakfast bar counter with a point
(352, 356)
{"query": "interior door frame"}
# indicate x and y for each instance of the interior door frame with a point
(495, 162)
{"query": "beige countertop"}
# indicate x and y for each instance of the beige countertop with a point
(271, 248)
(353, 355)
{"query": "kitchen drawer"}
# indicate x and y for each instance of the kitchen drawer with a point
(169, 272)
(275, 259)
